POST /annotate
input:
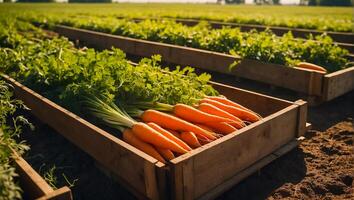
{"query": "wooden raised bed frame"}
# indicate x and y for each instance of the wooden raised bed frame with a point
(317, 87)
(202, 173)
(34, 186)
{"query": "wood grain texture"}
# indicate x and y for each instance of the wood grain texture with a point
(243, 148)
(31, 182)
(338, 83)
(302, 125)
(63, 193)
(110, 151)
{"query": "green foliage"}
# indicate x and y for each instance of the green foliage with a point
(90, 1)
(10, 128)
(309, 17)
(55, 68)
(263, 46)
(35, 1)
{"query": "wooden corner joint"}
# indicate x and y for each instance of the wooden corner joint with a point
(301, 118)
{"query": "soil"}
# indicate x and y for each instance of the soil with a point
(322, 167)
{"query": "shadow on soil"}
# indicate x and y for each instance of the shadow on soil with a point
(290, 168)
(51, 154)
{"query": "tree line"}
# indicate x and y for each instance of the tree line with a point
(302, 2)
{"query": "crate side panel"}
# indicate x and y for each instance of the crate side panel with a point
(215, 165)
(31, 182)
(338, 83)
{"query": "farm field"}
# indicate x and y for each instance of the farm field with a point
(87, 101)
(321, 18)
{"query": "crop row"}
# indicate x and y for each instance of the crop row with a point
(263, 46)
(54, 67)
(308, 17)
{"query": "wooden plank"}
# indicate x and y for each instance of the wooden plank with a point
(338, 83)
(286, 148)
(302, 116)
(305, 81)
(63, 193)
(163, 177)
(188, 179)
(247, 146)
(151, 188)
(110, 151)
(177, 182)
(31, 182)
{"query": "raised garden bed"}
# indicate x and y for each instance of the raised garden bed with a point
(34, 186)
(317, 87)
(204, 172)
(339, 37)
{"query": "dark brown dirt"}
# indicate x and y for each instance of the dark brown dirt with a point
(322, 167)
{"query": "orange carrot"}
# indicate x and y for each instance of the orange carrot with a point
(205, 127)
(203, 140)
(150, 135)
(311, 66)
(190, 139)
(174, 123)
(166, 153)
(196, 116)
(131, 139)
(226, 101)
(169, 135)
(211, 109)
(238, 112)
(175, 133)
(223, 128)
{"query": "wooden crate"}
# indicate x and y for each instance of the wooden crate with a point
(204, 172)
(317, 87)
(34, 186)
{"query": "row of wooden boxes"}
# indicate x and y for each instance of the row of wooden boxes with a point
(205, 172)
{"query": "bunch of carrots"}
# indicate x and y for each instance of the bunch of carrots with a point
(165, 131)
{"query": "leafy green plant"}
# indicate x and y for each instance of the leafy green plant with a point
(55, 68)
(263, 46)
(10, 128)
